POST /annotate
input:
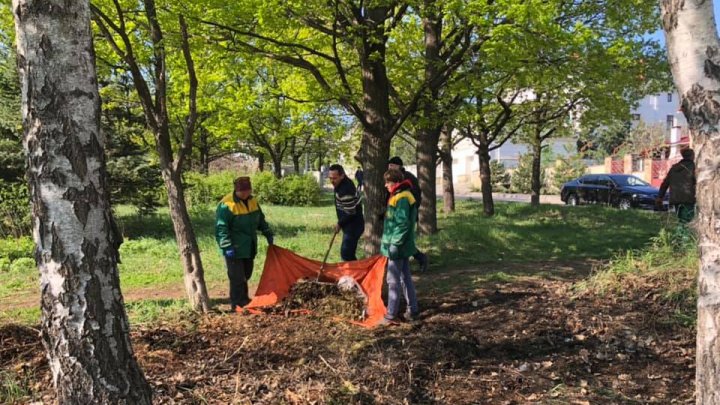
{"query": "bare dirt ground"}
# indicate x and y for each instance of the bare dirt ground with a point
(532, 340)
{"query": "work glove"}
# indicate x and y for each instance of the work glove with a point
(270, 240)
(229, 253)
(393, 252)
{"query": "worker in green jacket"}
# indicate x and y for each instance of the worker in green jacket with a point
(238, 218)
(398, 245)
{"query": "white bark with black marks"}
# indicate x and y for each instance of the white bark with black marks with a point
(694, 55)
(84, 325)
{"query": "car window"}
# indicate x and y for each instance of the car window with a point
(605, 181)
(588, 180)
(631, 181)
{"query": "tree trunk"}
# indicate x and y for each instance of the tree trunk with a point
(204, 148)
(427, 150)
(374, 154)
(84, 324)
(694, 56)
(429, 134)
(377, 123)
(193, 272)
(261, 162)
(277, 166)
(486, 180)
(296, 164)
(536, 180)
(447, 162)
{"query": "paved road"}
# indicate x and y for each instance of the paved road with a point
(525, 198)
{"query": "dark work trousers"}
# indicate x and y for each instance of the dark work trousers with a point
(349, 246)
(239, 272)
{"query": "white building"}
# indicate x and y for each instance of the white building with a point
(663, 108)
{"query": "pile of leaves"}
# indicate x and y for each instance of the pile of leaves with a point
(322, 299)
(525, 342)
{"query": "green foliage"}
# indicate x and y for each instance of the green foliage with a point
(16, 248)
(521, 178)
(500, 176)
(15, 220)
(202, 190)
(135, 180)
(300, 191)
(12, 163)
(566, 169)
(290, 190)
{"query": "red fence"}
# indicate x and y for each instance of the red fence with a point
(617, 166)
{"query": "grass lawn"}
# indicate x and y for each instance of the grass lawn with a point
(518, 233)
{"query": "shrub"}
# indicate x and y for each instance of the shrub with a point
(15, 248)
(499, 175)
(567, 169)
(267, 188)
(22, 265)
(202, 190)
(135, 180)
(299, 191)
(15, 220)
(521, 179)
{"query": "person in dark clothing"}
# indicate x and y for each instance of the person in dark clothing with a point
(359, 178)
(238, 219)
(681, 182)
(349, 212)
(395, 163)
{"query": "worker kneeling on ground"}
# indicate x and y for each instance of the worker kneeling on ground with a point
(238, 218)
(398, 245)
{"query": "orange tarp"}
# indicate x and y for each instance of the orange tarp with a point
(283, 268)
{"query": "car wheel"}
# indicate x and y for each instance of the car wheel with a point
(572, 199)
(624, 204)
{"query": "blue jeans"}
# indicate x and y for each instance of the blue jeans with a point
(349, 246)
(398, 278)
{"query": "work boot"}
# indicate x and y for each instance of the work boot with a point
(412, 318)
(386, 322)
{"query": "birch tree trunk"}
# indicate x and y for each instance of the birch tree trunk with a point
(84, 325)
(694, 54)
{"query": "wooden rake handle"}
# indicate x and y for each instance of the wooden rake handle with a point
(322, 267)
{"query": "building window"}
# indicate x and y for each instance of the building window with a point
(636, 117)
(637, 164)
(670, 120)
(669, 97)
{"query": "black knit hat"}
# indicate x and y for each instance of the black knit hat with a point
(395, 160)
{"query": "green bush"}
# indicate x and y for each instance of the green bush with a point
(16, 248)
(4, 264)
(567, 169)
(15, 219)
(521, 180)
(499, 175)
(202, 190)
(267, 188)
(22, 265)
(299, 191)
(135, 180)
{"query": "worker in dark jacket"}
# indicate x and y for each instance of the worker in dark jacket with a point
(398, 244)
(681, 182)
(349, 212)
(395, 163)
(238, 218)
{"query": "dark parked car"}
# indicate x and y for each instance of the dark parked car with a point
(619, 190)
